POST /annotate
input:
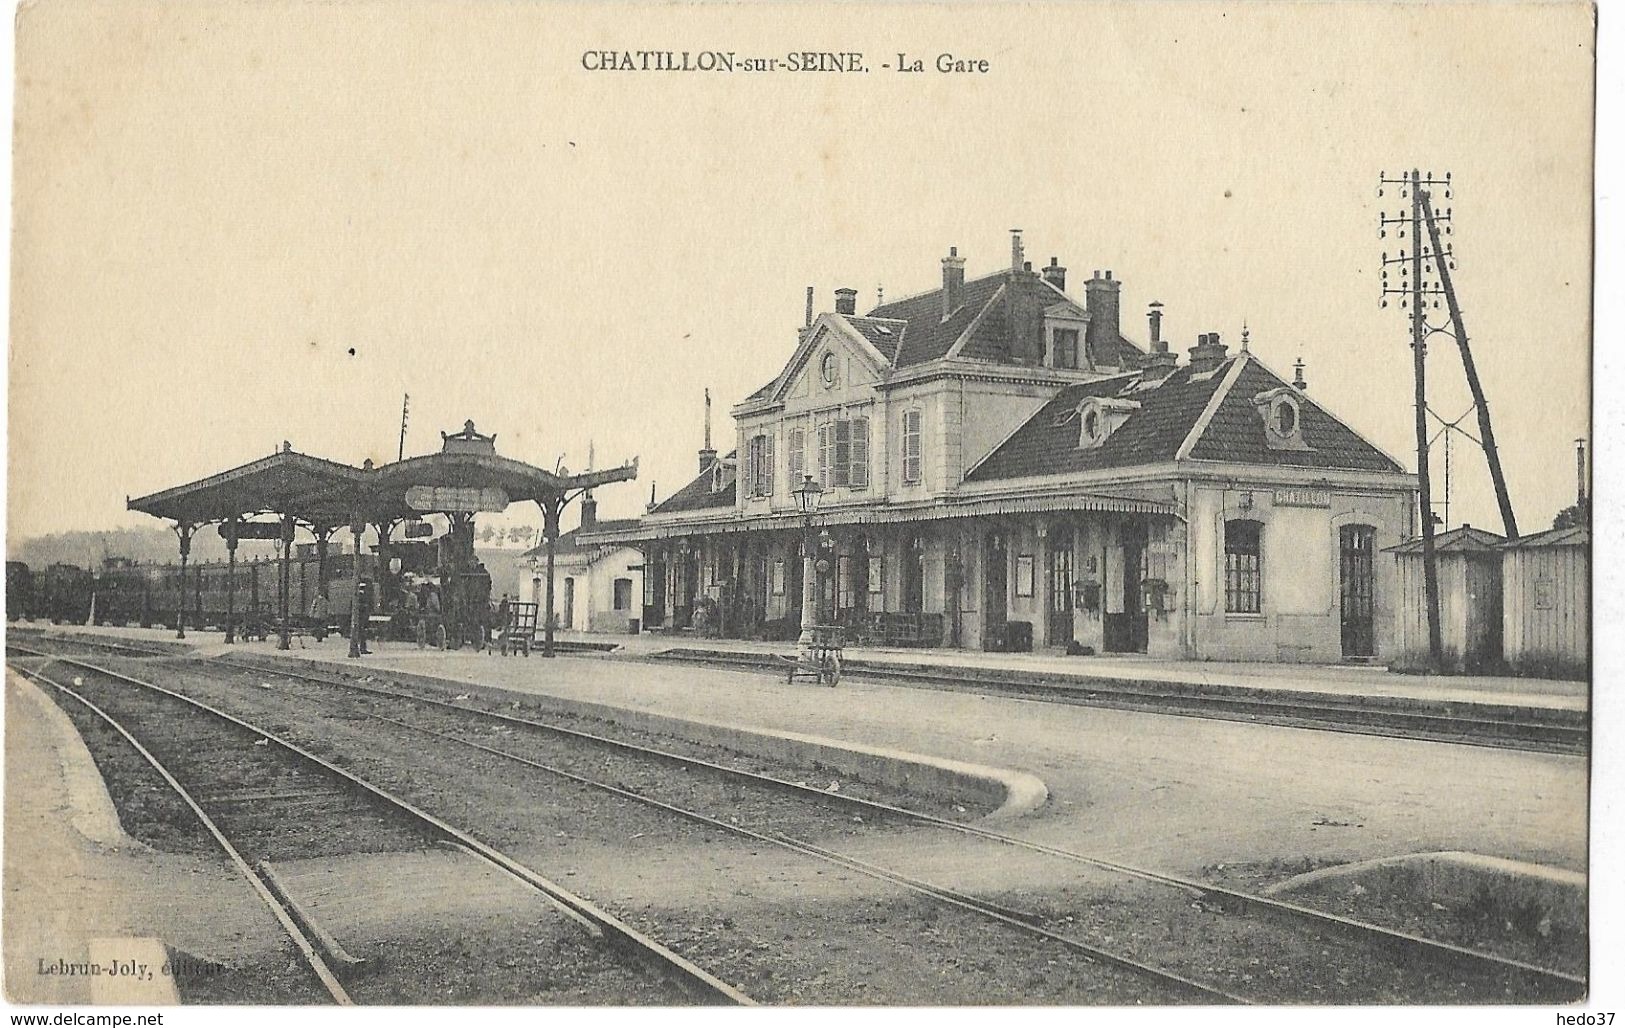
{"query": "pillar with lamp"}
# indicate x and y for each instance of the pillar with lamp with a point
(818, 648)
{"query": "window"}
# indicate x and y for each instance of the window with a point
(829, 369)
(844, 584)
(1243, 573)
(759, 465)
(1286, 418)
(798, 456)
(911, 446)
(623, 594)
(843, 454)
(1065, 352)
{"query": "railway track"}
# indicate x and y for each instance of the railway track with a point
(1516, 978)
(280, 783)
(1553, 733)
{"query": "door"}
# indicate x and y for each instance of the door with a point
(914, 576)
(1357, 588)
(568, 621)
(1060, 586)
(995, 591)
(1128, 631)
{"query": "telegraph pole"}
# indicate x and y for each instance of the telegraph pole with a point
(406, 399)
(1431, 254)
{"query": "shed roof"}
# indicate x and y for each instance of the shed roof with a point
(1574, 535)
(1465, 539)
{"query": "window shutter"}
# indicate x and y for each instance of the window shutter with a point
(826, 455)
(911, 446)
(843, 452)
(798, 456)
(860, 453)
(767, 466)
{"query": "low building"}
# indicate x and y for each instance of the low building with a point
(596, 587)
(1469, 563)
(1001, 468)
(1546, 611)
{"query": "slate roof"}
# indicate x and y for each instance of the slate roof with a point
(1237, 433)
(1047, 444)
(569, 542)
(928, 336)
(884, 334)
(698, 494)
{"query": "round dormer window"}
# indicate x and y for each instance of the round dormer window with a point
(827, 369)
(1283, 417)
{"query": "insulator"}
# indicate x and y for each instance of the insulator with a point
(1379, 190)
(1404, 303)
(1447, 231)
(1452, 265)
(1447, 194)
(1402, 194)
(1435, 304)
(1447, 176)
(1382, 233)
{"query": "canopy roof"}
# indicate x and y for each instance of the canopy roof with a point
(467, 474)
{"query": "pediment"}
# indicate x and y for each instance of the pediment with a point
(832, 358)
(1066, 310)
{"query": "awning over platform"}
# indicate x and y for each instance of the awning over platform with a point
(315, 491)
(882, 514)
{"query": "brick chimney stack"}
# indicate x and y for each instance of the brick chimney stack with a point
(1160, 362)
(846, 301)
(1055, 275)
(1102, 295)
(1015, 249)
(708, 453)
(807, 320)
(953, 282)
(1208, 353)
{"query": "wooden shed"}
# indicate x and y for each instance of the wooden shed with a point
(1470, 622)
(1547, 611)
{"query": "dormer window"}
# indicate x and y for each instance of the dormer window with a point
(1099, 417)
(1281, 410)
(1064, 327)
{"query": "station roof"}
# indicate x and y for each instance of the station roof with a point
(467, 474)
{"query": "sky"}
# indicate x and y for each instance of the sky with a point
(241, 224)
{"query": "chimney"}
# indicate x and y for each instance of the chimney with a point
(1160, 362)
(807, 321)
(1207, 354)
(1580, 471)
(846, 301)
(1015, 249)
(953, 282)
(652, 505)
(708, 455)
(589, 510)
(1102, 335)
(1055, 275)
(1297, 376)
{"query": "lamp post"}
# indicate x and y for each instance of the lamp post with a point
(807, 495)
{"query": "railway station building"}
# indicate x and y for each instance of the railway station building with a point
(1001, 467)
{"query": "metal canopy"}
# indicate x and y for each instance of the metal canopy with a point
(315, 491)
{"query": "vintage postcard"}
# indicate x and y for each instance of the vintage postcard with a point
(821, 504)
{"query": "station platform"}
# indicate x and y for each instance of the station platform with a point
(1175, 793)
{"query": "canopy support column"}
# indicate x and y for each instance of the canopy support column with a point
(183, 531)
(551, 508)
(231, 580)
(323, 534)
(284, 639)
(357, 616)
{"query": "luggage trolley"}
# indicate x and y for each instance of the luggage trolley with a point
(823, 661)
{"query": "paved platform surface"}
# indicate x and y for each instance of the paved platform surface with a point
(1169, 792)
(78, 889)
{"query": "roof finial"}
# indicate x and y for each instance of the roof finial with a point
(1245, 336)
(880, 294)
(1297, 375)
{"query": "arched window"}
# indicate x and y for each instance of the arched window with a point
(1243, 567)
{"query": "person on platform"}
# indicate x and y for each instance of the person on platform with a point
(320, 613)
